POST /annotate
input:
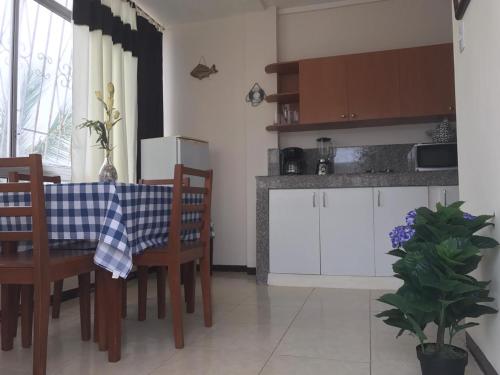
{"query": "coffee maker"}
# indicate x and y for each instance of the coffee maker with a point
(292, 161)
(326, 153)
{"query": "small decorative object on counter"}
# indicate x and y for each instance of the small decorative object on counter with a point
(256, 95)
(202, 70)
(107, 172)
(444, 133)
(437, 251)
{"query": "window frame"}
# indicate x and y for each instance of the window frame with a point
(59, 10)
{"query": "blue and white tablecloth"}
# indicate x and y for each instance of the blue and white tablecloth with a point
(123, 219)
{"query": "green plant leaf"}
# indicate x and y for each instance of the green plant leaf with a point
(397, 253)
(484, 242)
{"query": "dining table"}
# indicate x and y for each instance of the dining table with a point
(118, 220)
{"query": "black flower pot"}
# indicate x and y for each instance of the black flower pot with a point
(451, 361)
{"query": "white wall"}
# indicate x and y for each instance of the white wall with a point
(477, 75)
(387, 24)
(214, 109)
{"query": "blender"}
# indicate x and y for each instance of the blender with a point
(326, 153)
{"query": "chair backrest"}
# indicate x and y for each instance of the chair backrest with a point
(17, 177)
(169, 181)
(38, 234)
(181, 186)
(177, 227)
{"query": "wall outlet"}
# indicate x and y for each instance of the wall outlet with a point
(461, 36)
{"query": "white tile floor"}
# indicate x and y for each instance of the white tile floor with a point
(257, 330)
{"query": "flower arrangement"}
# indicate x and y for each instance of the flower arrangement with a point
(437, 251)
(112, 117)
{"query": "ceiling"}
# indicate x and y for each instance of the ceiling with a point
(179, 11)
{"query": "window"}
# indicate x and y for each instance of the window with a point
(35, 78)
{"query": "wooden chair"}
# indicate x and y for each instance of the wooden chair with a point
(37, 267)
(59, 284)
(178, 252)
(188, 274)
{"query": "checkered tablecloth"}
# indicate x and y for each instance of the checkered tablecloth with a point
(122, 219)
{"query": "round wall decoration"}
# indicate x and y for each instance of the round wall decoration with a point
(256, 95)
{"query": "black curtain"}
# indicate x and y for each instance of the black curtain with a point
(96, 16)
(150, 84)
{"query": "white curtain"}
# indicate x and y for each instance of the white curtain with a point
(97, 61)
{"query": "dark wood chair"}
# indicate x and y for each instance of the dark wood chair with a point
(188, 274)
(178, 252)
(59, 284)
(38, 267)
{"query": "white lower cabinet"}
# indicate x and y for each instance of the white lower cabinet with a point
(342, 232)
(294, 231)
(346, 232)
(391, 206)
(445, 195)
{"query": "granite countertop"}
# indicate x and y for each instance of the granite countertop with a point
(435, 178)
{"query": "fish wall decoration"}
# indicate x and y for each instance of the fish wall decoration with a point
(202, 70)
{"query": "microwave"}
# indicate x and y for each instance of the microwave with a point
(433, 157)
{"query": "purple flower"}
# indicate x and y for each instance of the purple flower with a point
(400, 235)
(469, 217)
(410, 217)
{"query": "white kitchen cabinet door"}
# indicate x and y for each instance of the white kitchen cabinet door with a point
(445, 195)
(391, 206)
(346, 232)
(294, 231)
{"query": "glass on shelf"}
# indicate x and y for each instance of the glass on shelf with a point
(287, 114)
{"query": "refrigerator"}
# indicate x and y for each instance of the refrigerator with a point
(160, 155)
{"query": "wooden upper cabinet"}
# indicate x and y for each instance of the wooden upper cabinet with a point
(427, 80)
(373, 85)
(323, 90)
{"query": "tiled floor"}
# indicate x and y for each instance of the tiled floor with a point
(257, 330)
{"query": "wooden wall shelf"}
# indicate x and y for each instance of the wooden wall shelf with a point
(394, 87)
(283, 98)
(289, 67)
(358, 123)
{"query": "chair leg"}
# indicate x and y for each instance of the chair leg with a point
(96, 307)
(56, 298)
(9, 316)
(206, 289)
(142, 280)
(84, 294)
(26, 315)
(16, 300)
(41, 327)
(161, 286)
(124, 298)
(174, 283)
(189, 285)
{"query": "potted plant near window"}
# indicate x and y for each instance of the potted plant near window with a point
(437, 250)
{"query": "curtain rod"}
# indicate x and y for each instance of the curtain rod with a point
(141, 12)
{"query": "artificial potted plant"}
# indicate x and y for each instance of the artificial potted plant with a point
(437, 250)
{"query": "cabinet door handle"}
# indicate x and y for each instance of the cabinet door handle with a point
(353, 115)
(378, 198)
(343, 116)
(451, 108)
(314, 199)
(445, 196)
(324, 199)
